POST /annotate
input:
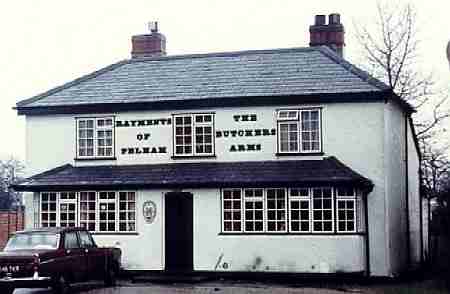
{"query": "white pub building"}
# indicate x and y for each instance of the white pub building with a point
(272, 161)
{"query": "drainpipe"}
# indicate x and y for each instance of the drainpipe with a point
(430, 248)
(408, 236)
(366, 220)
(421, 213)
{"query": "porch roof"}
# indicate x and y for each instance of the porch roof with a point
(275, 173)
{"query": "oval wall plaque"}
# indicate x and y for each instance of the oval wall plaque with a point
(149, 211)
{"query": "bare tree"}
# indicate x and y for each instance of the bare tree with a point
(392, 55)
(435, 169)
(11, 170)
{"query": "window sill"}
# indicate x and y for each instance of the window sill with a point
(301, 154)
(291, 234)
(192, 156)
(94, 158)
(115, 233)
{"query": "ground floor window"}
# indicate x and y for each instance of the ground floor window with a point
(292, 210)
(97, 211)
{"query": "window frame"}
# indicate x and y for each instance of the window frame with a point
(276, 209)
(194, 124)
(297, 120)
(300, 199)
(347, 198)
(231, 210)
(323, 210)
(290, 198)
(95, 137)
(68, 201)
(79, 221)
(263, 209)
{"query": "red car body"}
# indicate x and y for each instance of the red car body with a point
(55, 257)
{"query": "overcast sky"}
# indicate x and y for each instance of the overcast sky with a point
(46, 43)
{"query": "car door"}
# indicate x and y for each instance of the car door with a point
(75, 260)
(95, 260)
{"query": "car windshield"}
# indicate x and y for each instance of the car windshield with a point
(36, 240)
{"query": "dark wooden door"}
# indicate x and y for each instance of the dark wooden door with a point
(178, 232)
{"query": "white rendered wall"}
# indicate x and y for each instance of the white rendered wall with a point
(353, 132)
(144, 251)
(267, 253)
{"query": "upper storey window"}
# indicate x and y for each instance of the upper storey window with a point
(95, 137)
(299, 131)
(194, 134)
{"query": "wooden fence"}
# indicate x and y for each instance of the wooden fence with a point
(10, 222)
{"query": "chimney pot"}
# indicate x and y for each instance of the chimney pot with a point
(320, 20)
(334, 19)
(331, 34)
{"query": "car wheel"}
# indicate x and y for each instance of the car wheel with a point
(110, 277)
(61, 285)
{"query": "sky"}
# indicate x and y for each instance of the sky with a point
(46, 43)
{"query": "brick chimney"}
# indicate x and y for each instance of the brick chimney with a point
(149, 45)
(331, 34)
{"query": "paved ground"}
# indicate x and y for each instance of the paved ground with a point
(226, 287)
(198, 288)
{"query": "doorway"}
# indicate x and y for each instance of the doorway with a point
(179, 232)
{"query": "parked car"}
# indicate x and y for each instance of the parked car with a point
(55, 257)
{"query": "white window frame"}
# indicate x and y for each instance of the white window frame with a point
(300, 198)
(294, 116)
(106, 202)
(95, 137)
(127, 211)
(88, 211)
(194, 125)
(69, 201)
(345, 199)
(305, 196)
(276, 209)
(48, 211)
(319, 128)
(231, 210)
(313, 209)
(253, 200)
(98, 201)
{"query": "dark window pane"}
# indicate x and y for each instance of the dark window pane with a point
(349, 215)
(304, 215)
(258, 226)
(350, 204)
(317, 226)
(317, 215)
(304, 205)
(304, 226)
(350, 226)
(258, 215)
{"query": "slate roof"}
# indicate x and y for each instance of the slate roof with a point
(259, 73)
(196, 175)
